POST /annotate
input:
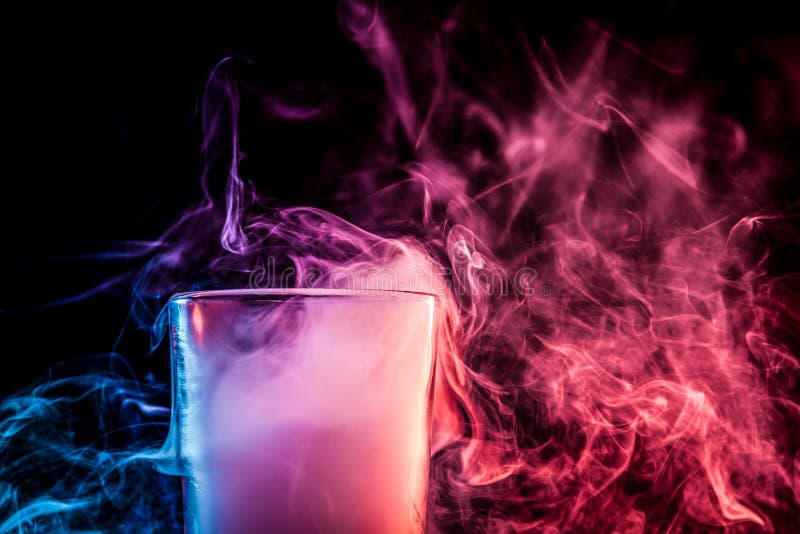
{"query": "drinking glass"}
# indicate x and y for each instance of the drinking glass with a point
(302, 410)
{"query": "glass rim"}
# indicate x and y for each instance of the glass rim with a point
(271, 294)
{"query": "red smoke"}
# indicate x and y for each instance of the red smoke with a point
(614, 268)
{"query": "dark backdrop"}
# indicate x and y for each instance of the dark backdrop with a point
(101, 133)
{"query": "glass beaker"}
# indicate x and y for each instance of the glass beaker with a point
(302, 410)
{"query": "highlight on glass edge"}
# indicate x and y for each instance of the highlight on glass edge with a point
(303, 410)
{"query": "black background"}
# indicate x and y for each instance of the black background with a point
(102, 135)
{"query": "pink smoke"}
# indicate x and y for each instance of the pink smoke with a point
(616, 330)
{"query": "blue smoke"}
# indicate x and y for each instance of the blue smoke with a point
(79, 452)
(85, 449)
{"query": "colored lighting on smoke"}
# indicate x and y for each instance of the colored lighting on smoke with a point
(615, 331)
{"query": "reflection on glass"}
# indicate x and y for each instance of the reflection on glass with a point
(302, 410)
